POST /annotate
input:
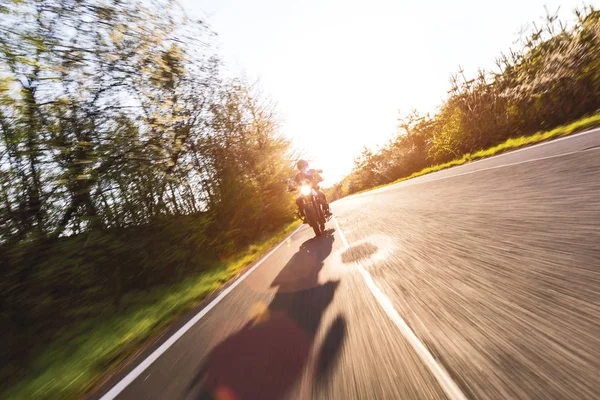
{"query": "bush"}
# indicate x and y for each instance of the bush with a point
(552, 80)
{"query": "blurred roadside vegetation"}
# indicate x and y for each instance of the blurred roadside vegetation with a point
(87, 348)
(552, 80)
(133, 175)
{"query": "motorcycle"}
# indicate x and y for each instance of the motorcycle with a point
(312, 209)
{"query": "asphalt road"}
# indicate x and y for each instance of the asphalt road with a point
(493, 266)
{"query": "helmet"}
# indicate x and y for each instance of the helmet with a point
(302, 164)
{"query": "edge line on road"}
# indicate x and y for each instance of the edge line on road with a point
(141, 367)
(414, 181)
(439, 372)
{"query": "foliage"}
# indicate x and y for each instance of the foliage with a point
(73, 362)
(552, 80)
(126, 162)
(510, 144)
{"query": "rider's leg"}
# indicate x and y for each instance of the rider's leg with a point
(323, 200)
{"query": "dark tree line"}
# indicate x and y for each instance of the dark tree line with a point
(126, 159)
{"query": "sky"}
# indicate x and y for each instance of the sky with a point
(342, 72)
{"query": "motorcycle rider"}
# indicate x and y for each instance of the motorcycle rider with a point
(313, 177)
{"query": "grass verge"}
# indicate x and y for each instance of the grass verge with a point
(70, 367)
(510, 144)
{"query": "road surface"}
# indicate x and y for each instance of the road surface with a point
(478, 282)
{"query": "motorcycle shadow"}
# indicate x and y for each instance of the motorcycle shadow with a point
(265, 358)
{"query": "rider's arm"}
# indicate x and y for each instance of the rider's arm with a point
(297, 178)
(317, 176)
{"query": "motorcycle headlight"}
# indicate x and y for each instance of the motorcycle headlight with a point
(305, 190)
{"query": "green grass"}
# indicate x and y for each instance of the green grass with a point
(70, 367)
(510, 144)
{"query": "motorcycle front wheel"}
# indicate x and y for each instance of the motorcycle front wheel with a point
(313, 220)
(321, 218)
(318, 230)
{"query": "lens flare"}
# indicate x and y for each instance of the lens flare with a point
(305, 190)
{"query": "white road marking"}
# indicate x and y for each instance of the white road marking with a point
(504, 165)
(439, 372)
(416, 180)
(137, 371)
